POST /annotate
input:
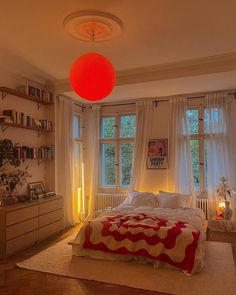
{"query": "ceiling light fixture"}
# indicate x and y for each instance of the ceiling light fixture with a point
(92, 76)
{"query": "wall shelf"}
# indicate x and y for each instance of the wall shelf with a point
(5, 125)
(5, 91)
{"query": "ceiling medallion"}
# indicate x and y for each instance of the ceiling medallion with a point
(92, 76)
(85, 25)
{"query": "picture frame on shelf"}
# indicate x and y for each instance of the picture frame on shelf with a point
(33, 91)
(37, 187)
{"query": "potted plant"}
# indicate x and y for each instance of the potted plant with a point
(8, 153)
(224, 191)
(10, 177)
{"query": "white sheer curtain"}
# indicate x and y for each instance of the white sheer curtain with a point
(64, 157)
(180, 175)
(92, 156)
(217, 145)
(143, 128)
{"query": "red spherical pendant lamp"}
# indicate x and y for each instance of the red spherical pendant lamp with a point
(92, 76)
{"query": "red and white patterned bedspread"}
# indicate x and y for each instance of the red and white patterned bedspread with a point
(145, 234)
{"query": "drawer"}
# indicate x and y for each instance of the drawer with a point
(20, 215)
(50, 206)
(21, 242)
(50, 229)
(21, 228)
(50, 217)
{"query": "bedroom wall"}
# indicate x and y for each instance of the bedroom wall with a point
(156, 179)
(45, 171)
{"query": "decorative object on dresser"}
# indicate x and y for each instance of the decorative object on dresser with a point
(36, 190)
(23, 225)
(9, 180)
(224, 191)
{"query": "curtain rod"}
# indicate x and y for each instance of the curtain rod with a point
(157, 101)
(79, 105)
(154, 101)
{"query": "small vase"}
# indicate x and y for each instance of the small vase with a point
(9, 197)
(227, 212)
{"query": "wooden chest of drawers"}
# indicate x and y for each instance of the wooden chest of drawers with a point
(22, 225)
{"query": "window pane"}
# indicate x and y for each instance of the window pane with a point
(126, 156)
(76, 151)
(108, 127)
(193, 121)
(108, 165)
(76, 126)
(77, 164)
(127, 126)
(211, 121)
(194, 147)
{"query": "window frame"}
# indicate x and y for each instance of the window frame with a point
(117, 140)
(80, 142)
(201, 106)
(200, 137)
(80, 139)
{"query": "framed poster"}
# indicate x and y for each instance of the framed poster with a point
(157, 154)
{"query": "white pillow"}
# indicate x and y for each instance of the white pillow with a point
(140, 199)
(172, 201)
(186, 198)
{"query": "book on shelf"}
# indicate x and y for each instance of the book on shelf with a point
(37, 91)
(6, 119)
(20, 118)
(41, 153)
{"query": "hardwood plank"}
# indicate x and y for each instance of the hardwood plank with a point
(14, 280)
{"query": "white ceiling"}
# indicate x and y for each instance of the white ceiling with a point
(156, 32)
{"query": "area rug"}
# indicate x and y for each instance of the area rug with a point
(217, 277)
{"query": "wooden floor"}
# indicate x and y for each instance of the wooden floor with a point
(14, 280)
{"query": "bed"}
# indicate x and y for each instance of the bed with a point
(140, 230)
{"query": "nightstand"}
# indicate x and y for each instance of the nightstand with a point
(220, 225)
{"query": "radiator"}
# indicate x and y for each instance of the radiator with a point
(105, 200)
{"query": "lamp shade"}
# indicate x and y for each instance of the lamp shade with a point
(92, 76)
